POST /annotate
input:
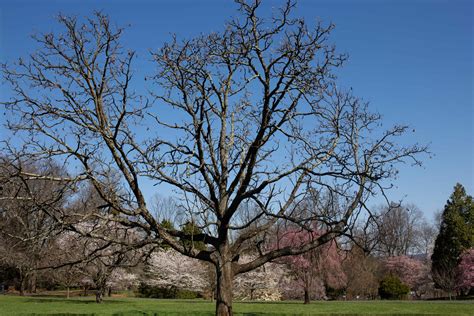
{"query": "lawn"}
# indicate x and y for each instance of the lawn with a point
(14, 305)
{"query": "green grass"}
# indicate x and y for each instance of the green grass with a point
(15, 305)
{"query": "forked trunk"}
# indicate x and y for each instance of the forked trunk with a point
(224, 289)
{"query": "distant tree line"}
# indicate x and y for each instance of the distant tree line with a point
(56, 236)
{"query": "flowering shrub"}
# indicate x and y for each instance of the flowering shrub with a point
(466, 271)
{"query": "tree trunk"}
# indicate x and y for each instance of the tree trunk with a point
(67, 292)
(23, 280)
(306, 296)
(32, 281)
(99, 294)
(307, 286)
(224, 288)
(22, 286)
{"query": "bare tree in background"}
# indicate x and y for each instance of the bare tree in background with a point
(118, 247)
(67, 250)
(426, 238)
(49, 222)
(28, 205)
(397, 230)
(80, 259)
(252, 113)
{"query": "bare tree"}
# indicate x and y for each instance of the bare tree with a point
(398, 230)
(426, 238)
(254, 113)
(67, 256)
(28, 205)
(118, 247)
(93, 261)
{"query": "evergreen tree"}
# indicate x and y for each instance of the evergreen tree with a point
(456, 235)
(191, 229)
(391, 287)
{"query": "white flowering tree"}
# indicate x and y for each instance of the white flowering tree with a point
(170, 269)
(262, 283)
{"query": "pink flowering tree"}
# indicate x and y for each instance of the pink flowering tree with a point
(312, 271)
(413, 272)
(466, 271)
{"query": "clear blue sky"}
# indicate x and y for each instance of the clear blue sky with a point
(412, 60)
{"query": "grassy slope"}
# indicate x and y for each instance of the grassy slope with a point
(13, 305)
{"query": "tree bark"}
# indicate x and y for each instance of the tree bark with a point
(224, 288)
(22, 286)
(31, 283)
(307, 286)
(23, 280)
(306, 296)
(99, 294)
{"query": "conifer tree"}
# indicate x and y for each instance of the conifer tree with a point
(456, 235)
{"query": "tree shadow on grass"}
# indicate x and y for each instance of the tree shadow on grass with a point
(72, 301)
(333, 314)
(62, 314)
(141, 313)
(136, 313)
(129, 313)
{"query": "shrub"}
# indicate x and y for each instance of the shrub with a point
(392, 288)
(334, 294)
